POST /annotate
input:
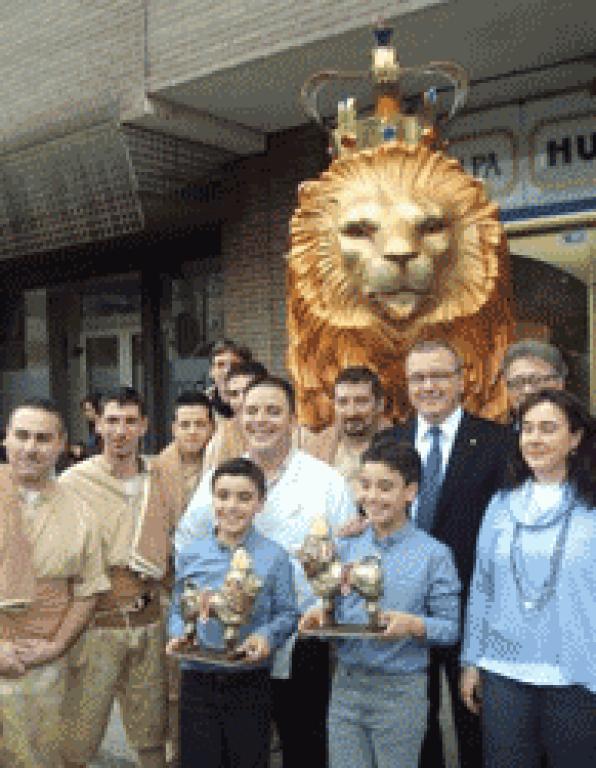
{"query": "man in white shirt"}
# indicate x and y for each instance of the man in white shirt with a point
(300, 489)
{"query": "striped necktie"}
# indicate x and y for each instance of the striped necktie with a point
(432, 477)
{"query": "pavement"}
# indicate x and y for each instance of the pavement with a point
(116, 753)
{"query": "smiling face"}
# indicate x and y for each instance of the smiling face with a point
(121, 427)
(385, 496)
(546, 441)
(34, 441)
(267, 422)
(356, 409)
(192, 428)
(527, 375)
(235, 503)
(435, 383)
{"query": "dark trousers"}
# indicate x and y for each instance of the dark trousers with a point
(467, 725)
(300, 706)
(225, 719)
(521, 722)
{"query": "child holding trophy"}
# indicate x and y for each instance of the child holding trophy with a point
(241, 584)
(378, 710)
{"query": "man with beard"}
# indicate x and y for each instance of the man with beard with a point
(300, 489)
(358, 403)
(122, 654)
(51, 570)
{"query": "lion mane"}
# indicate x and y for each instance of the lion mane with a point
(336, 318)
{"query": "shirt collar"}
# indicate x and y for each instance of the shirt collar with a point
(247, 542)
(388, 541)
(448, 427)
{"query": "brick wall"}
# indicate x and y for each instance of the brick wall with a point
(261, 198)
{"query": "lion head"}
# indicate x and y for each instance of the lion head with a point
(387, 244)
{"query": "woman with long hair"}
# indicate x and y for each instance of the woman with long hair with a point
(529, 653)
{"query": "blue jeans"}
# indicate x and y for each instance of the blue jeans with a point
(520, 722)
(376, 720)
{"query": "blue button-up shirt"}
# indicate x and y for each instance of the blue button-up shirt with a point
(206, 561)
(419, 578)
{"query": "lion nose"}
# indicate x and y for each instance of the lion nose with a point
(400, 257)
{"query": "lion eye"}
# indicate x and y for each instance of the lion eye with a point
(431, 226)
(359, 229)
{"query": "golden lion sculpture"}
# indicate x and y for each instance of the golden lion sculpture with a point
(391, 245)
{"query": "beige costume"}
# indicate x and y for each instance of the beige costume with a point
(227, 443)
(60, 559)
(122, 654)
(179, 480)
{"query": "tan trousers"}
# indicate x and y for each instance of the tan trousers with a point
(31, 726)
(127, 664)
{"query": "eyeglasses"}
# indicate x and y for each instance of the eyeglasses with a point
(435, 377)
(534, 382)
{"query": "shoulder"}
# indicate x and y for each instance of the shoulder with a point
(82, 469)
(273, 550)
(482, 426)
(304, 463)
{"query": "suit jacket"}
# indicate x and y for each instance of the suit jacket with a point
(474, 472)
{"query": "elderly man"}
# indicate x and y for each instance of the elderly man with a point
(300, 489)
(358, 405)
(529, 366)
(51, 571)
(123, 655)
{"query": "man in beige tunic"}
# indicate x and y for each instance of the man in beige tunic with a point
(122, 655)
(51, 570)
(182, 462)
(358, 405)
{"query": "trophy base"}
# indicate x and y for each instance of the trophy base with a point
(213, 658)
(346, 632)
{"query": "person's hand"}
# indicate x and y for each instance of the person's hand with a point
(470, 689)
(10, 664)
(255, 647)
(312, 619)
(35, 653)
(353, 527)
(174, 645)
(402, 625)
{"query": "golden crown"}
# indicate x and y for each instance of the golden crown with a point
(389, 122)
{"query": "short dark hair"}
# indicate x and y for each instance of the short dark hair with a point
(193, 397)
(276, 382)
(399, 456)
(44, 404)
(248, 368)
(357, 374)
(123, 396)
(541, 350)
(227, 345)
(432, 345)
(581, 463)
(241, 467)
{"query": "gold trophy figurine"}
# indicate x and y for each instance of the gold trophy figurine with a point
(322, 567)
(328, 578)
(231, 605)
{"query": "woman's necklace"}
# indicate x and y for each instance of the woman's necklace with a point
(535, 598)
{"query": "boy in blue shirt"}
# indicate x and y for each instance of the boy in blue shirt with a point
(379, 702)
(225, 712)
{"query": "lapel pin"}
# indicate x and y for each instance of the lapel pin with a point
(472, 441)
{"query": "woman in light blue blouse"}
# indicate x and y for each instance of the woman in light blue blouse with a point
(529, 652)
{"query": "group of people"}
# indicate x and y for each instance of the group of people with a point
(485, 533)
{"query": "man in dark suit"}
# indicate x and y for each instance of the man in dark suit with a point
(464, 460)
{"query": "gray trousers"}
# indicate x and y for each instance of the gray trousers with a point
(376, 720)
